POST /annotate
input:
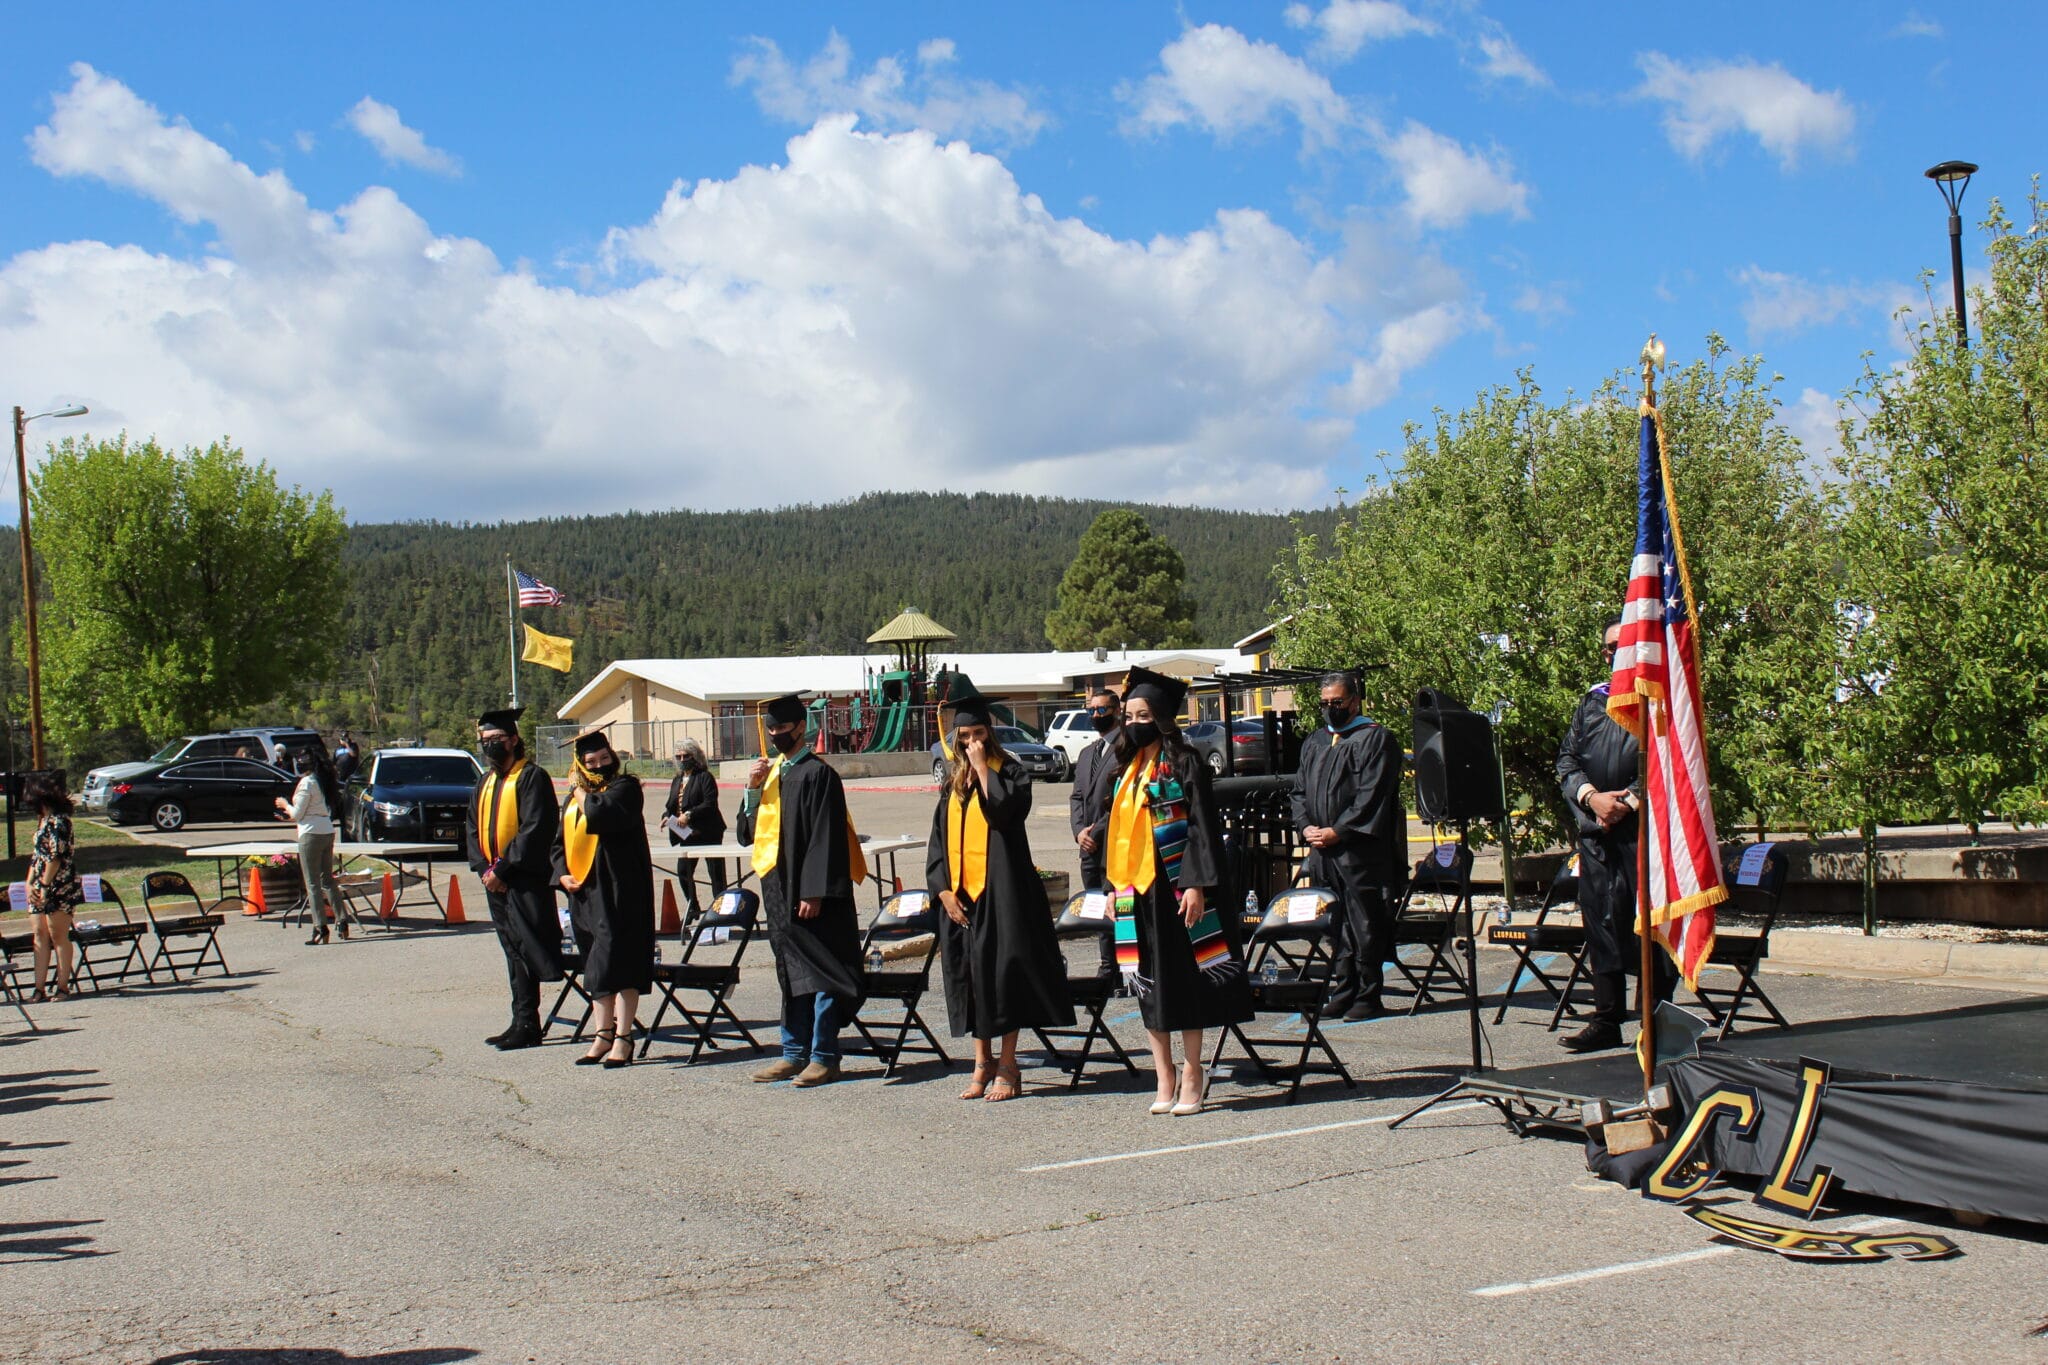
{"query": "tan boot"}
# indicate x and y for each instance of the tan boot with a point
(778, 1071)
(817, 1073)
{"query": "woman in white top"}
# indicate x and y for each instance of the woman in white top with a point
(312, 805)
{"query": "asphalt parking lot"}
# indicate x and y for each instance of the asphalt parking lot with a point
(319, 1160)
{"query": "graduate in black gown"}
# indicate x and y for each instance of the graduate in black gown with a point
(1001, 960)
(806, 855)
(1175, 927)
(510, 839)
(1347, 805)
(601, 860)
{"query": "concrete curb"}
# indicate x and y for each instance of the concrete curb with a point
(1908, 959)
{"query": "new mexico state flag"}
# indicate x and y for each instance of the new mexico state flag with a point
(549, 651)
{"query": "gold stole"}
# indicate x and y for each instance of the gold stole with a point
(579, 843)
(1131, 860)
(768, 831)
(967, 840)
(497, 835)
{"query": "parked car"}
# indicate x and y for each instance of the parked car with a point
(1070, 733)
(1247, 737)
(267, 744)
(1043, 763)
(198, 791)
(412, 796)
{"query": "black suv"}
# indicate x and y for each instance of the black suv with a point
(410, 796)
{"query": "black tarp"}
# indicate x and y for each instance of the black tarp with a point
(1948, 1144)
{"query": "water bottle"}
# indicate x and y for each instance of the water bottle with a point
(1270, 976)
(1251, 906)
(874, 959)
(1504, 916)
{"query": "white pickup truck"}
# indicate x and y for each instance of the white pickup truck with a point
(1070, 733)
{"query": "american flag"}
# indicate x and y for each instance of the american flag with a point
(1655, 695)
(534, 593)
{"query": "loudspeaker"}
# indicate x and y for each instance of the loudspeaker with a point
(1457, 776)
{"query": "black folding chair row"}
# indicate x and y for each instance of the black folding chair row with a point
(108, 950)
(899, 986)
(714, 943)
(1085, 919)
(1296, 937)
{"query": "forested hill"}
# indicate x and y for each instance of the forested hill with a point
(425, 639)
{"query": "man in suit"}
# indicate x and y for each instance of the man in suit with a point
(1088, 805)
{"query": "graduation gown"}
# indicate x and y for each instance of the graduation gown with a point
(1176, 994)
(1597, 750)
(821, 954)
(613, 912)
(524, 913)
(1354, 787)
(1002, 970)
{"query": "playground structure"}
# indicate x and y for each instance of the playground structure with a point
(897, 708)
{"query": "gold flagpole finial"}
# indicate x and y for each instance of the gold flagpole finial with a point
(1653, 361)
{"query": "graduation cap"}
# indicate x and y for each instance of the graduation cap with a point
(1163, 694)
(593, 739)
(970, 707)
(784, 710)
(506, 719)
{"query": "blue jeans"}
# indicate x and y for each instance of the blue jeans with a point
(810, 1028)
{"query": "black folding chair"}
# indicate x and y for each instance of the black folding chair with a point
(1435, 912)
(1086, 917)
(1296, 939)
(572, 984)
(160, 892)
(713, 945)
(1543, 938)
(100, 942)
(902, 984)
(17, 958)
(1753, 889)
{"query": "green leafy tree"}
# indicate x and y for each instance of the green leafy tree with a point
(183, 587)
(1487, 561)
(1944, 711)
(1126, 586)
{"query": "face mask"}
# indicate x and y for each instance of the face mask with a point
(1337, 717)
(1143, 733)
(607, 772)
(1104, 723)
(497, 751)
(785, 741)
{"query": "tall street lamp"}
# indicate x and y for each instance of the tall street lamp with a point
(1952, 178)
(28, 579)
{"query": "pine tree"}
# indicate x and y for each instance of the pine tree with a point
(1126, 586)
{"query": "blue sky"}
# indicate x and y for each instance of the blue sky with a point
(479, 261)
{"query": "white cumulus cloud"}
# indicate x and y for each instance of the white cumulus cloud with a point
(1711, 100)
(1344, 26)
(382, 128)
(1502, 59)
(1446, 182)
(879, 310)
(886, 95)
(1225, 83)
(1779, 304)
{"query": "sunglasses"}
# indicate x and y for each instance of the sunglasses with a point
(1102, 710)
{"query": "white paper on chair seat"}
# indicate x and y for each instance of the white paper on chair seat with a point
(95, 891)
(1302, 909)
(1751, 869)
(17, 895)
(1094, 905)
(912, 904)
(714, 934)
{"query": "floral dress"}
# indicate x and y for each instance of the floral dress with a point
(50, 867)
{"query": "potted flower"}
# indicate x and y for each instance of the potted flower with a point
(278, 874)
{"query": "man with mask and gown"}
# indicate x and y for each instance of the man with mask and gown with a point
(510, 839)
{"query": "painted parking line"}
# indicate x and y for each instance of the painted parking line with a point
(1495, 1291)
(1234, 1141)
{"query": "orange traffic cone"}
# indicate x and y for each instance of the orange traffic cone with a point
(252, 904)
(671, 922)
(454, 911)
(387, 904)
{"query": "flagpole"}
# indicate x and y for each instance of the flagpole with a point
(512, 626)
(1646, 1041)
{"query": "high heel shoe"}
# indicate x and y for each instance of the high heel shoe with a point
(319, 937)
(1187, 1108)
(978, 1084)
(614, 1063)
(605, 1036)
(343, 928)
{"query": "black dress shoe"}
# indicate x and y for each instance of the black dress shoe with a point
(499, 1037)
(1337, 1006)
(519, 1038)
(1368, 1008)
(1594, 1037)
